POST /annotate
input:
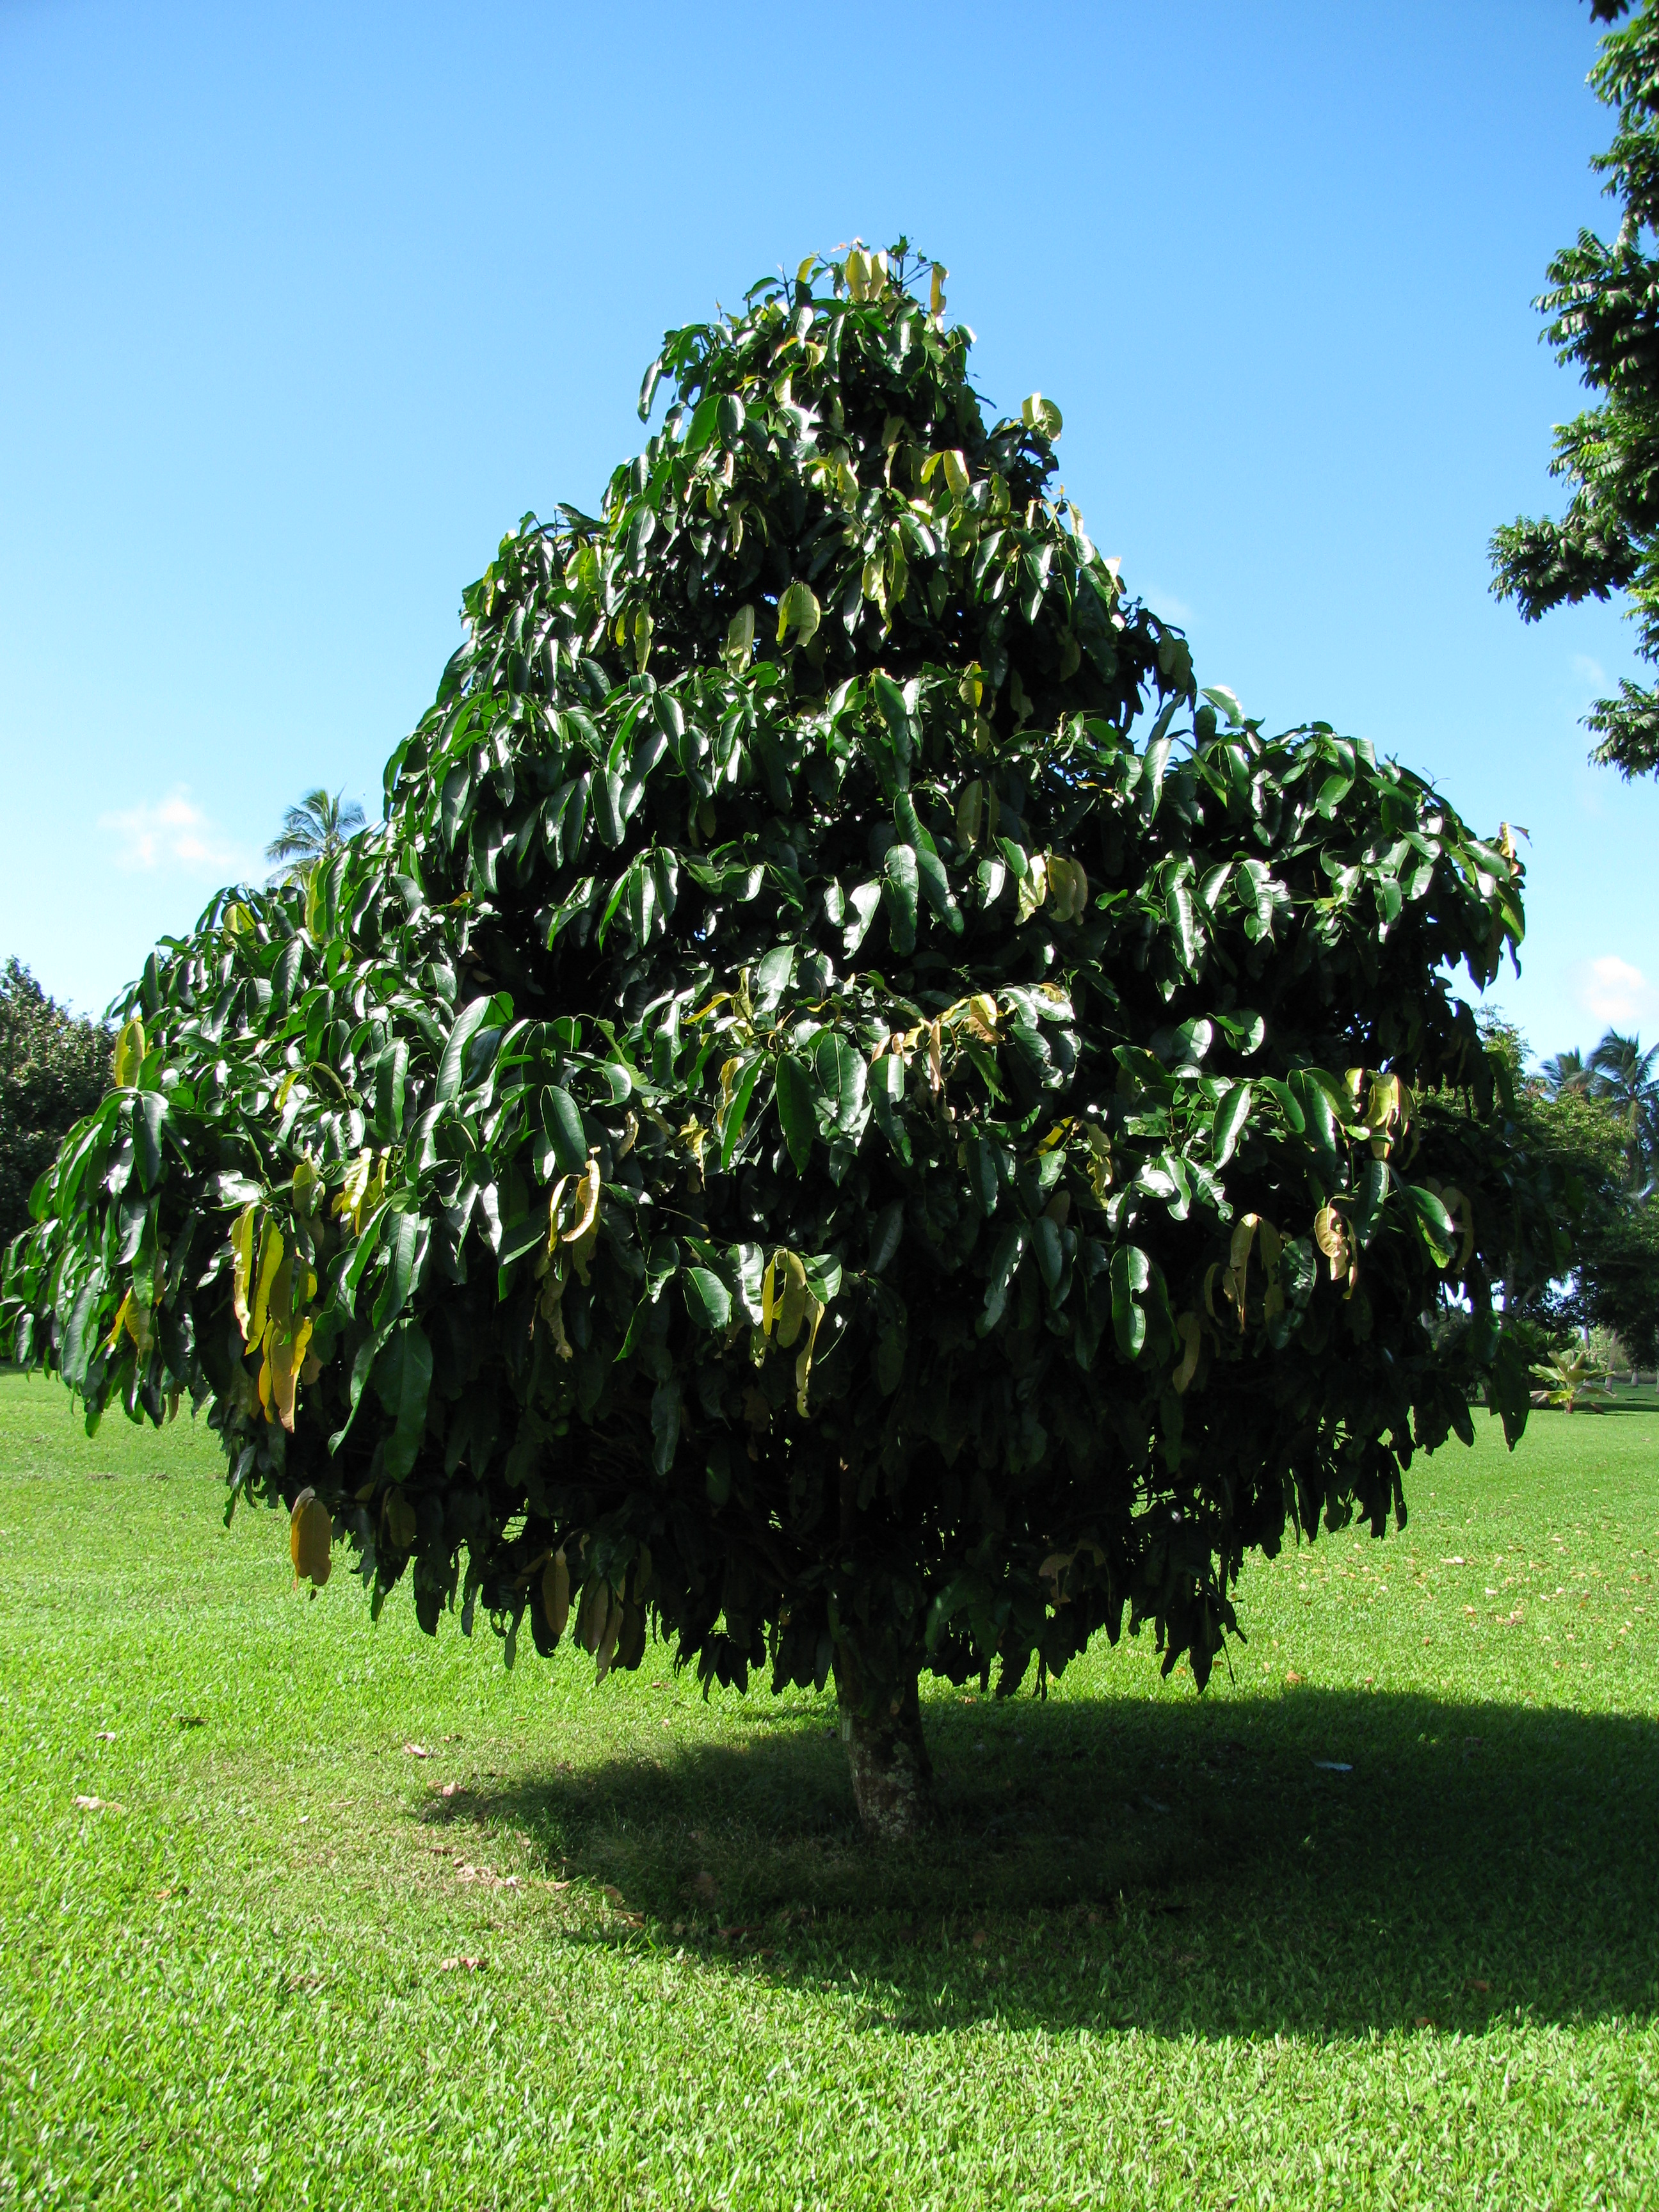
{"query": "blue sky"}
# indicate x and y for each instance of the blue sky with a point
(306, 305)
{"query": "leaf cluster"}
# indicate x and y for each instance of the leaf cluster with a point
(1603, 310)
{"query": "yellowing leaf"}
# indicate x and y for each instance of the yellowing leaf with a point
(956, 472)
(129, 1052)
(803, 1364)
(555, 1593)
(1332, 1238)
(310, 1537)
(936, 292)
(270, 1260)
(739, 637)
(1190, 1330)
(798, 609)
(402, 1524)
(791, 1310)
(350, 1196)
(588, 1204)
(241, 1270)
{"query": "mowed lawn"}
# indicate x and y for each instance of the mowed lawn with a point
(1374, 1920)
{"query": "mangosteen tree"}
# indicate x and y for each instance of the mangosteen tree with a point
(848, 1117)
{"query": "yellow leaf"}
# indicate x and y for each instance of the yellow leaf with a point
(1033, 887)
(587, 1207)
(555, 1593)
(287, 1358)
(740, 635)
(402, 1524)
(270, 1259)
(1239, 1256)
(936, 292)
(983, 1016)
(768, 1304)
(308, 1188)
(1332, 1239)
(803, 1364)
(1190, 1330)
(971, 812)
(793, 1310)
(122, 1312)
(310, 1537)
(242, 1269)
(351, 1191)
(956, 472)
(129, 1052)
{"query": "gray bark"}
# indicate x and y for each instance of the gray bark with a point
(892, 1775)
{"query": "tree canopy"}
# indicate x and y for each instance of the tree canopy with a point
(54, 1068)
(1601, 306)
(1590, 1125)
(848, 1112)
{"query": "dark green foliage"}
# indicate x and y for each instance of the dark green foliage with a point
(1602, 304)
(53, 1070)
(812, 1121)
(1589, 1126)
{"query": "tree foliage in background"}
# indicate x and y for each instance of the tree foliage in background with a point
(848, 1113)
(1590, 1124)
(54, 1068)
(313, 830)
(1602, 305)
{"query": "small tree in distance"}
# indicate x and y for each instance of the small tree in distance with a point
(813, 1126)
(314, 830)
(54, 1068)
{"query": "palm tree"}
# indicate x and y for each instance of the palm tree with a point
(1566, 1072)
(313, 830)
(1622, 1074)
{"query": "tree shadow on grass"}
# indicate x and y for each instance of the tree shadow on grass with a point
(1328, 1861)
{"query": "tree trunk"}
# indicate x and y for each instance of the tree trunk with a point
(892, 1774)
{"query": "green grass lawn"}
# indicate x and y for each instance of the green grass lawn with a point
(1375, 1920)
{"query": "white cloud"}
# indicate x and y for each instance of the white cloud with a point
(1617, 993)
(174, 833)
(1589, 671)
(1165, 603)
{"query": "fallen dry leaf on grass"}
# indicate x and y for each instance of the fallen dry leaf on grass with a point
(452, 1790)
(487, 1877)
(98, 1805)
(461, 1965)
(417, 1751)
(106, 1735)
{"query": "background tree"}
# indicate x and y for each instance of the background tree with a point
(807, 1127)
(1576, 1130)
(1621, 1075)
(313, 830)
(53, 1070)
(1566, 1072)
(1601, 306)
